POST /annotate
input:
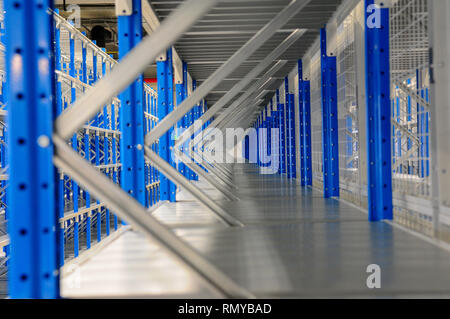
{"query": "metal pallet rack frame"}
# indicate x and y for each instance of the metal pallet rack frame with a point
(406, 59)
(83, 220)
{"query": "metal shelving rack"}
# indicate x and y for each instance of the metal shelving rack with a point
(83, 219)
(361, 96)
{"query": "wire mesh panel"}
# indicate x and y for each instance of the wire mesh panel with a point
(410, 114)
(349, 169)
(316, 122)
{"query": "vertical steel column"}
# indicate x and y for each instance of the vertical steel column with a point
(287, 124)
(196, 149)
(3, 140)
(304, 95)
(265, 136)
(180, 96)
(86, 141)
(269, 118)
(185, 118)
(330, 139)
(131, 111)
(262, 139)
(96, 145)
(378, 116)
(146, 130)
(32, 188)
(439, 23)
(281, 118)
(165, 106)
(97, 163)
(293, 139)
(258, 142)
(423, 127)
(193, 114)
(290, 129)
(114, 153)
(74, 141)
(88, 199)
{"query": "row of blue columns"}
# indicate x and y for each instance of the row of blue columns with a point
(164, 70)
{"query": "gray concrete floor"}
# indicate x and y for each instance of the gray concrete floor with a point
(295, 244)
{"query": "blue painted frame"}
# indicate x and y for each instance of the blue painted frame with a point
(378, 117)
(179, 92)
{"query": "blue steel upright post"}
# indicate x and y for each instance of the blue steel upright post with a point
(131, 111)
(330, 139)
(378, 114)
(269, 118)
(185, 118)
(33, 213)
(304, 95)
(165, 106)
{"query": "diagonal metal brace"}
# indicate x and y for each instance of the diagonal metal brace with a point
(135, 214)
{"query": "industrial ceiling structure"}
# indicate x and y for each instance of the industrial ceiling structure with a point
(220, 33)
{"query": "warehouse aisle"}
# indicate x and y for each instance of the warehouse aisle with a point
(294, 244)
